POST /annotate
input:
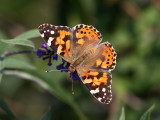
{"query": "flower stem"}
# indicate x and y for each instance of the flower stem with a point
(6, 54)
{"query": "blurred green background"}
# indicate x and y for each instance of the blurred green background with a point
(131, 26)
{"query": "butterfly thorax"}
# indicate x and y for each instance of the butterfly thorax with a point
(80, 60)
(71, 68)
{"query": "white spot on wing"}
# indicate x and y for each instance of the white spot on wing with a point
(103, 89)
(94, 91)
(74, 28)
(99, 99)
(42, 35)
(49, 41)
(52, 32)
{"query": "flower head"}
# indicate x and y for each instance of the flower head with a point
(55, 57)
(46, 53)
(40, 53)
(64, 66)
(51, 55)
(43, 45)
(75, 76)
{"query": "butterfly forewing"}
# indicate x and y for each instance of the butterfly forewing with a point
(85, 37)
(58, 38)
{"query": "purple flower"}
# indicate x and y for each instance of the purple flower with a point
(55, 57)
(49, 64)
(75, 76)
(50, 54)
(60, 67)
(43, 45)
(46, 53)
(64, 66)
(40, 53)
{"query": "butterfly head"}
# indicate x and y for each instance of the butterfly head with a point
(71, 68)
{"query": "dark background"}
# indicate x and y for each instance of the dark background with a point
(132, 27)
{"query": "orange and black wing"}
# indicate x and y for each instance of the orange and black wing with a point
(99, 84)
(85, 37)
(58, 38)
(95, 72)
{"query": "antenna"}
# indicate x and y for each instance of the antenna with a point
(72, 88)
(70, 76)
(72, 84)
(55, 70)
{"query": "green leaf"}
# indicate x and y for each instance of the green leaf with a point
(5, 107)
(14, 63)
(29, 34)
(19, 42)
(146, 115)
(47, 115)
(17, 64)
(122, 116)
(4, 47)
(48, 83)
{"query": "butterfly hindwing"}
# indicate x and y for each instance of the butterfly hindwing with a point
(99, 84)
(104, 57)
(108, 61)
(95, 71)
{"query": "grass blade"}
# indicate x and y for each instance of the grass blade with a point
(122, 116)
(146, 115)
(5, 107)
(47, 115)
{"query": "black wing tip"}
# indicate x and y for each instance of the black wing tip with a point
(104, 100)
(45, 25)
(79, 26)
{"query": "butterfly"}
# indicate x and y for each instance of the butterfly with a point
(80, 46)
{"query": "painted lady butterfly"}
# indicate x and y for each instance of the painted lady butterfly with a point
(80, 46)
